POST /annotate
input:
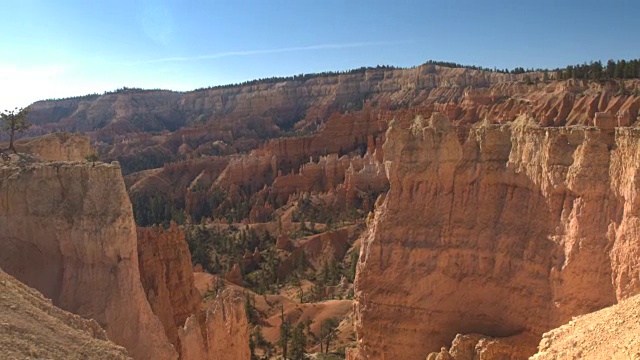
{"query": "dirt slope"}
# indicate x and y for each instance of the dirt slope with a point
(31, 327)
(611, 333)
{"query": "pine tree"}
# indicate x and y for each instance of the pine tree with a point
(595, 70)
(619, 71)
(611, 69)
(285, 333)
(329, 332)
(249, 308)
(13, 121)
(298, 343)
(629, 71)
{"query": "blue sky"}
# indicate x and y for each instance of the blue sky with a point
(73, 47)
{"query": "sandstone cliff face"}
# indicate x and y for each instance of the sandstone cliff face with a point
(31, 327)
(216, 328)
(167, 278)
(57, 147)
(67, 229)
(226, 120)
(220, 331)
(496, 230)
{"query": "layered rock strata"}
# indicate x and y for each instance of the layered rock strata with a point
(221, 330)
(67, 229)
(496, 230)
(216, 328)
(167, 278)
(227, 120)
(57, 147)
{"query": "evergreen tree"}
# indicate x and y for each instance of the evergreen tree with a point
(619, 71)
(285, 333)
(249, 308)
(629, 70)
(298, 343)
(611, 69)
(13, 121)
(329, 332)
(595, 70)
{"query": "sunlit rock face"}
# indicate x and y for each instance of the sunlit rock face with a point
(145, 129)
(497, 230)
(67, 230)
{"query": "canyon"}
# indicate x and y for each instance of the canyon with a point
(69, 232)
(431, 212)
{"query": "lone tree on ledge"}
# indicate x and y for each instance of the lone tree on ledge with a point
(12, 121)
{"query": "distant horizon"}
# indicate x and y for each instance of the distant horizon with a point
(61, 50)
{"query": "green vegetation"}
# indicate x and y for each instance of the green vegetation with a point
(250, 309)
(620, 69)
(217, 250)
(155, 209)
(13, 121)
(216, 204)
(93, 157)
(300, 77)
(353, 264)
(285, 334)
(328, 333)
(298, 343)
(256, 339)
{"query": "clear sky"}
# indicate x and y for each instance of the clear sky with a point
(72, 47)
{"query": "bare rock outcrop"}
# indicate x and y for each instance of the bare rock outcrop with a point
(220, 331)
(481, 347)
(225, 120)
(167, 278)
(497, 230)
(31, 327)
(67, 229)
(57, 147)
(610, 333)
(216, 328)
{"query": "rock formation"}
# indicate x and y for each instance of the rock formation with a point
(167, 278)
(57, 147)
(214, 329)
(31, 327)
(610, 333)
(497, 230)
(481, 347)
(221, 330)
(505, 217)
(67, 230)
(226, 120)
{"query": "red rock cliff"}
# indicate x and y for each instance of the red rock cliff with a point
(496, 230)
(214, 329)
(167, 278)
(67, 229)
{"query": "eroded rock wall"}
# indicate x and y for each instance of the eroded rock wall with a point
(67, 229)
(228, 120)
(220, 331)
(216, 328)
(57, 147)
(496, 230)
(167, 278)
(28, 319)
